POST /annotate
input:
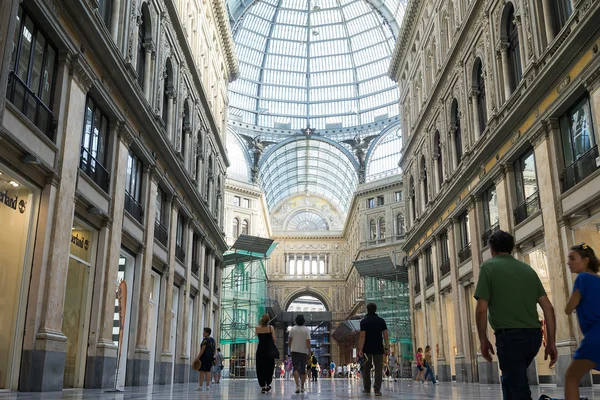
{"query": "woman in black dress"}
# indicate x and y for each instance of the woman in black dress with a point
(264, 363)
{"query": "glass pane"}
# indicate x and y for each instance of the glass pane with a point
(581, 129)
(529, 177)
(16, 36)
(26, 43)
(48, 78)
(38, 59)
(87, 124)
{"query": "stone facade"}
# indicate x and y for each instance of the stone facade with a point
(494, 96)
(122, 141)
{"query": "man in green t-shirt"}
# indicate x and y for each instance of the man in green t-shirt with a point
(511, 290)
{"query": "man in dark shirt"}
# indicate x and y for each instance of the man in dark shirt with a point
(373, 335)
(511, 291)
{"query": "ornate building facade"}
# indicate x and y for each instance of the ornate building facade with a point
(112, 173)
(500, 109)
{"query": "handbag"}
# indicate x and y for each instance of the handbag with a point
(197, 364)
(273, 351)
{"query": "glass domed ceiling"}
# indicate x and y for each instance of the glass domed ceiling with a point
(321, 63)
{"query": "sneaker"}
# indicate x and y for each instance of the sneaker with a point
(207, 389)
(199, 389)
(378, 393)
(302, 389)
(297, 389)
(366, 391)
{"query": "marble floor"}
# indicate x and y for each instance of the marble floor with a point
(325, 389)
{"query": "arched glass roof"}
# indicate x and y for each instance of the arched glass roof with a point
(307, 220)
(321, 63)
(239, 168)
(312, 166)
(385, 155)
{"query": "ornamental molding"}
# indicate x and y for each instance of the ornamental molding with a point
(226, 39)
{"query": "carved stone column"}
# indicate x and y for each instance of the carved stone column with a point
(149, 48)
(548, 20)
(503, 48)
(171, 99)
(182, 363)
(474, 95)
(444, 371)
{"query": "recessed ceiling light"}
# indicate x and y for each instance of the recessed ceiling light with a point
(15, 184)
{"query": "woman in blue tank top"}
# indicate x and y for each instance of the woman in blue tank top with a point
(585, 299)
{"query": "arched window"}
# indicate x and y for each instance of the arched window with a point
(480, 110)
(561, 11)
(424, 181)
(455, 126)
(236, 228)
(381, 228)
(513, 50)
(437, 156)
(400, 224)
(245, 227)
(168, 88)
(372, 230)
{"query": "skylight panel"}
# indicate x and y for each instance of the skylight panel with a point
(292, 17)
(330, 63)
(333, 47)
(328, 32)
(287, 47)
(248, 71)
(373, 69)
(323, 17)
(294, 4)
(255, 24)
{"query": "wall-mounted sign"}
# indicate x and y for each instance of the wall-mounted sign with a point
(13, 202)
(80, 242)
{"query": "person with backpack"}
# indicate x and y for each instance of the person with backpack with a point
(206, 357)
(584, 299)
(313, 366)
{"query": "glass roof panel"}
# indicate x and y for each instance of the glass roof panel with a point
(341, 46)
(385, 156)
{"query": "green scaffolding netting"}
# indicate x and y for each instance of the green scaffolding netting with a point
(242, 301)
(391, 297)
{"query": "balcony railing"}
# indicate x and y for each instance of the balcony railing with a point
(487, 234)
(134, 208)
(179, 253)
(206, 279)
(195, 267)
(25, 99)
(429, 279)
(417, 288)
(216, 289)
(580, 169)
(160, 233)
(94, 169)
(445, 268)
(378, 242)
(465, 253)
(528, 207)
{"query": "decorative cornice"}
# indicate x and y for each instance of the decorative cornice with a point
(79, 69)
(410, 20)
(226, 40)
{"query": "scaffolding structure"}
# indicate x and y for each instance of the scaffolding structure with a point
(243, 302)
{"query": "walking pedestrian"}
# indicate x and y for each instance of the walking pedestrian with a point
(287, 365)
(585, 299)
(332, 369)
(265, 364)
(206, 357)
(511, 290)
(429, 365)
(300, 347)
(392, 365)
(219, 365)
(420, 368)
(373, 343)
(313, 366)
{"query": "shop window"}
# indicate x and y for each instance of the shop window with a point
(105, 11)
(179, 238)
(371, 203)
(528, 202)
(161, 233)
(381, 228)
(236, 228)
(31, 78)
(464, 252)
(245, 227)
(236, 201)
(490, 214)
(372, 230)
(94, 144)
(133, 187)
(398, 196)
(400, 230)
(428, 267)
(579, 148)
(380, 200)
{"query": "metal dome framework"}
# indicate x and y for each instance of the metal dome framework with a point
(321, 63)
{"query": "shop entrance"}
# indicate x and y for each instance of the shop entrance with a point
(17, 207)
(77, 304)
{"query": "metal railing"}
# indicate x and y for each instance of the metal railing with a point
(94, 169)
(179, 253)
(133, 207)
(417, 287)
(445, 268)
(429, 279)
(25, 99)
(580, 169)
(160, 233)
(387, 240)
(195, 267)
(528, 207)
(487, 234)
(206, 279)
(216, 289)
(465, 253)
